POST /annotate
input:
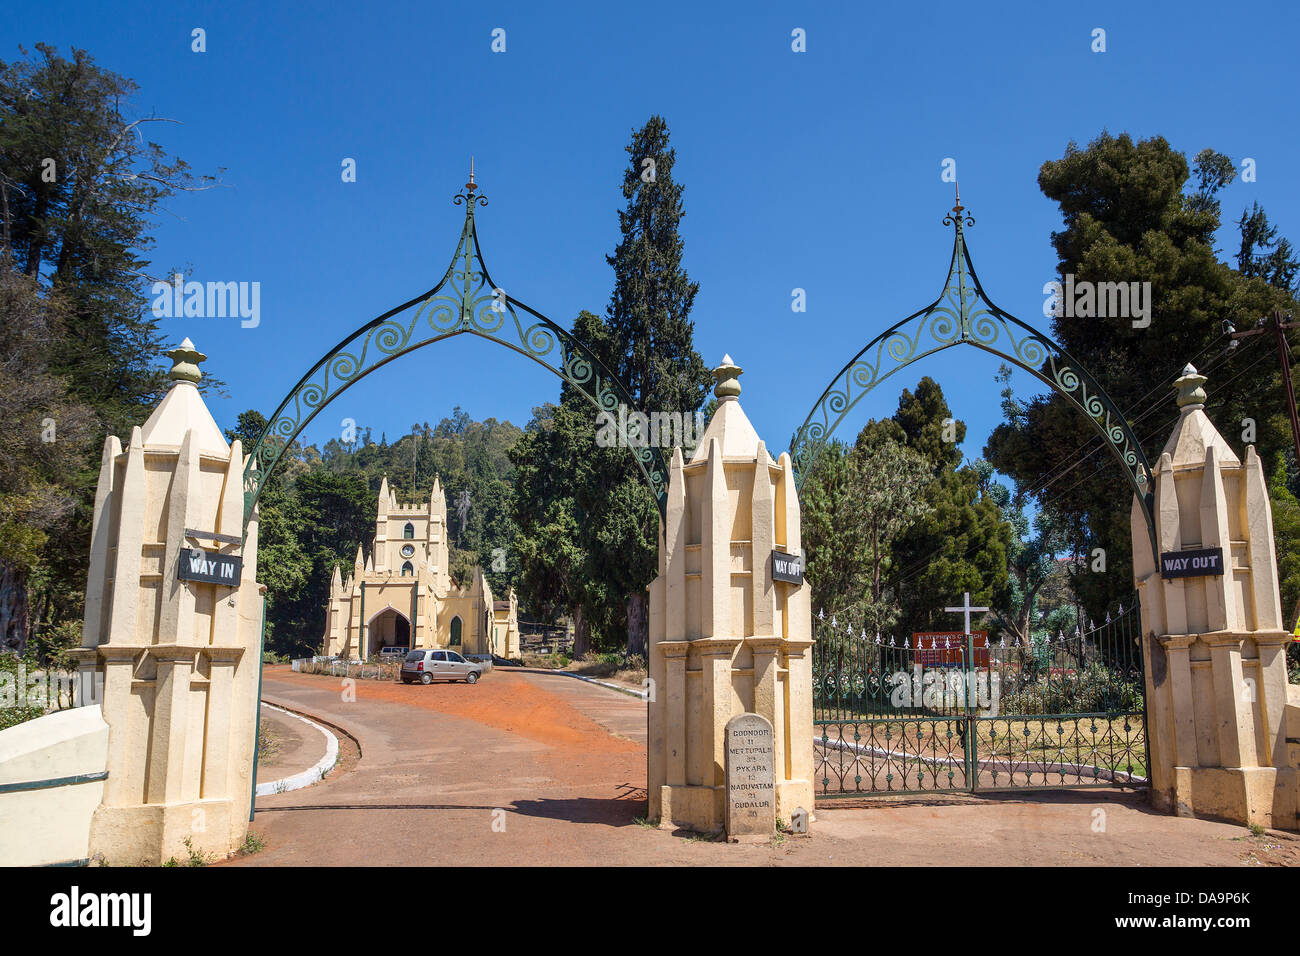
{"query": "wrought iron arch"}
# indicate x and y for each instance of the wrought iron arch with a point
(465, 300)
(964, 315)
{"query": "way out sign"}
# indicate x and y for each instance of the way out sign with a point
(210, 567)
(787, 567)
(1202, 562)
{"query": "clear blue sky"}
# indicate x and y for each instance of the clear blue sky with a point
(818, 170)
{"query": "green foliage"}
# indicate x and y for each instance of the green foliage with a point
(896, 526)
(13, 716)
(193, 856)
(1095, 689)
(961, 544)
(1130, 215)
(856, 505)
(317, 508)
(81, 182)
(587, 523)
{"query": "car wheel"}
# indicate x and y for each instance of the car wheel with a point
(471, 678)
(426, 678)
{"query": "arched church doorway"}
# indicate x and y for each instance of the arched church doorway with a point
(388, 628)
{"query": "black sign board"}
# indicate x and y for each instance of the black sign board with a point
(198, 565)
(1202, 562)
(787, 567)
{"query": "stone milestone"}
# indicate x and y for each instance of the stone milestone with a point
(751, 779)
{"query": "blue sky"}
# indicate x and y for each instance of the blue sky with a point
(818, 170)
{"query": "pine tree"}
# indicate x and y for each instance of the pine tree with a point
(1139, 212)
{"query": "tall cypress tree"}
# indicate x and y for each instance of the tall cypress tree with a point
(652, 351)
(649, 310)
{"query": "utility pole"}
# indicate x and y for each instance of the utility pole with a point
(1278, 328)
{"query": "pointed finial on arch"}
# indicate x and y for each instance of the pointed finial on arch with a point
(957, 207)
(471, 185)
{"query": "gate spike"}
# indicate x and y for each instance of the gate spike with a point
(821, 615)
(833, 624)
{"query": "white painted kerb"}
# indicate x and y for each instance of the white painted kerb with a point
(313, 774)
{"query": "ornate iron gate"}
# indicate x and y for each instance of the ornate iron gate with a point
(940, 714)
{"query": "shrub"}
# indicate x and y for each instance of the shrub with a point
(12, 716)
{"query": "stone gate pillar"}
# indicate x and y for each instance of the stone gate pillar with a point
(725, 638)
(1218, 701)
(178, 659)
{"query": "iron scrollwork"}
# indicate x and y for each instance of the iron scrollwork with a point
(464, 301)
(964, 314)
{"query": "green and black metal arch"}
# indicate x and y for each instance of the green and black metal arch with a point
(464, 301)
(964, 315)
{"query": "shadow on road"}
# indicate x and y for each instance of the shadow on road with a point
(614, 811)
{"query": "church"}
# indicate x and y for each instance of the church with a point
(402, 595)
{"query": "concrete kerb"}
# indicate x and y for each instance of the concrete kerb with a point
(314, 773)
(638, 694)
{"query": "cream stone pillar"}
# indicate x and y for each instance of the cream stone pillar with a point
(1214, 645)
(179, 659)
(725, 638)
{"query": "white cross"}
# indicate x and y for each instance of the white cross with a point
(966, 610)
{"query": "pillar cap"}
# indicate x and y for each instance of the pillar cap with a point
(185, 362)
(1190, 392)
(726, 385)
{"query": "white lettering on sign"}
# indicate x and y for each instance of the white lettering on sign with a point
(1192, 563)
(198, 565)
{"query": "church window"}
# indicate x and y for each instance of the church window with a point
(408, 531)
(407, 568)
(455, 630)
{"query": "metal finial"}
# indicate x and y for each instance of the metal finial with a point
(185, 363)
(958, 207)
(471, 186)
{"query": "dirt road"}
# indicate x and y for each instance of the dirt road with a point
(541, 769)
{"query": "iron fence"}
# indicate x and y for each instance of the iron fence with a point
(954, 712)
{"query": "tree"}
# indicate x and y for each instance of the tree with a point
(80, 183)
(1263, 255)
(553, 561)
(895, 526)
(1129, 214)
(651, 352)
(961, 543)
(855, 506)
(43, 446)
